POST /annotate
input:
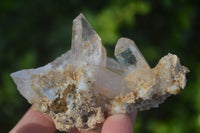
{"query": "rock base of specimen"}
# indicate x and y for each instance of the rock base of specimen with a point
(83, 87)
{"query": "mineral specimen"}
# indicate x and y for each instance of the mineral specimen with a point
(83, 87)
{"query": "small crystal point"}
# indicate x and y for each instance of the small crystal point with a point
(86, 43)
(24, 84)
(129, 55)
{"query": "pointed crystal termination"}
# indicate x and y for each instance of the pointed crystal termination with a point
(86, 43)
(23, 80)
(129, 55)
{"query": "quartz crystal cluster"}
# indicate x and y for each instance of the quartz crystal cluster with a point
(82, 87)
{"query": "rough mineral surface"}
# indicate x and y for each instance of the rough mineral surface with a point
(83, 87)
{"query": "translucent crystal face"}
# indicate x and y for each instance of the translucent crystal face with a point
(129, 56)
(86, 43)
(82, 87)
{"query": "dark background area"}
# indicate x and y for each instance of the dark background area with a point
(33, 33)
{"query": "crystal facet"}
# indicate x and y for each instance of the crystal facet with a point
(129, 55)
(86, 43)
(82, 87)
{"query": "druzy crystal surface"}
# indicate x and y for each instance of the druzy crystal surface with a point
(82, 87)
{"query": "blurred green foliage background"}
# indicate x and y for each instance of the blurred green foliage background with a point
(33, 33)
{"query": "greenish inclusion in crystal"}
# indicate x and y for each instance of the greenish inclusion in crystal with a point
(126, 57)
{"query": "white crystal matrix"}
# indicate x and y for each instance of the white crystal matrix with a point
(82, 87)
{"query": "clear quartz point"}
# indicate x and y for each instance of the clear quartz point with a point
(23, 80)
(86, 43)
(129, 56)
